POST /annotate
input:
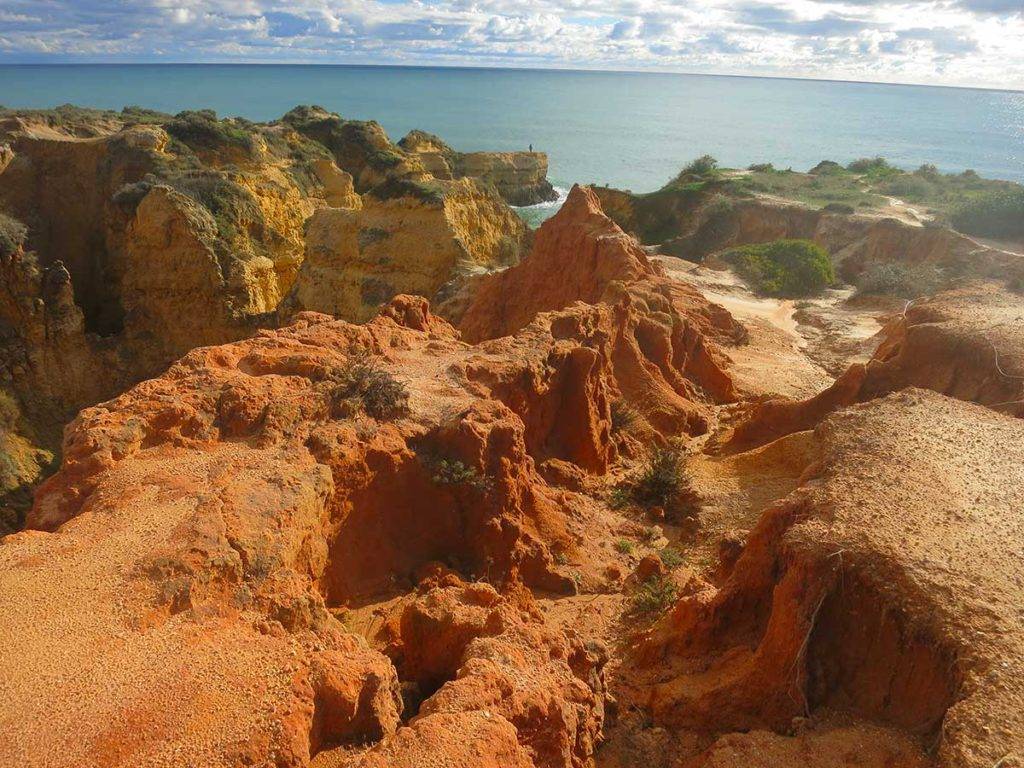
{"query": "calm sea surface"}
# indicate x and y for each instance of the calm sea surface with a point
(628, 130)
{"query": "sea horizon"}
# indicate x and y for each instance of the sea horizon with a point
(584, 70)
(626, 128)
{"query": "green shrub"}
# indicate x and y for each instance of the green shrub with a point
(136, 115)
(870, 165)
(655, 596)
(234, 207)
(12, 235)
(380, 394)
(784, 268)
(455, 472)
(911, 187)
(660, 482)
(702, 166)
(202, 130)
(826, 167)
(761, 167)
(429, 192)
(624, 546)
(996, 214)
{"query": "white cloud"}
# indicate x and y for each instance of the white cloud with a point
(964, 42)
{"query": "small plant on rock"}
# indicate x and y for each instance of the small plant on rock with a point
(379, 393)
(660, 482)
(455, 472)
(671, 557)
(659, 479)
(654, 596)
(624, 416)
(12, 235)
(624, 547)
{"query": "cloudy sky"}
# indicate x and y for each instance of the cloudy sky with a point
(954, 42)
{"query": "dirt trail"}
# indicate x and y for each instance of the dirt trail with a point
(796, 348)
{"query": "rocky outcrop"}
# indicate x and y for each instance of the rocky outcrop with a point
(457, 647)
(361, 148)
(966, 343)
(224, 510)
(151, 234)
(668, 360)
(406, 238)
(521, 178)
(886, 586)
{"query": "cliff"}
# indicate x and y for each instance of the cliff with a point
(519, 177)
(272, 495)
(965, 343)
(167, 232)
(408, 237)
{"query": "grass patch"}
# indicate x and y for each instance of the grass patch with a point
(819, 189)
(376, 390)
(671, 557)
(784, 268)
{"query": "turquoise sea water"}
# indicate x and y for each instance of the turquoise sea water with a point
(625, 129)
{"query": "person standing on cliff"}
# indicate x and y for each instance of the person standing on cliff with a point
(531, 147)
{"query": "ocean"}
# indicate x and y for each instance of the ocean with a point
(630, 130)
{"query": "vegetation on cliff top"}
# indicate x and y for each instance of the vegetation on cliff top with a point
(966, 201)
(784, 268)
(12, 235)
(992, 214)
(202, 130)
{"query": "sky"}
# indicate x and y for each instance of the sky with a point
(942, 42)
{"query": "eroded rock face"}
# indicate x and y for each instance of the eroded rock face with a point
(667, 360)
(886, 586)
(223, 509)
(406, 242)
(965, 343)
(147, 240)
(463, 647)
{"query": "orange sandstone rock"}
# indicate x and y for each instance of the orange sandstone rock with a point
(665, 356)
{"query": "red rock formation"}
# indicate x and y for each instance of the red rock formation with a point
(220, 512)
(665, 356)
(462, 645)
(886, 586)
